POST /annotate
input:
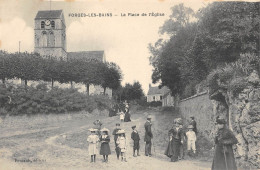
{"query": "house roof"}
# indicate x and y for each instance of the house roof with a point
(49, 14)
(87, 55)
(157, 90)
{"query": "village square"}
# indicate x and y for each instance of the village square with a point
(105, 85)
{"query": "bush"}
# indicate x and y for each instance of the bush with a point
(41, 100)
(155, 103)
(232, 76)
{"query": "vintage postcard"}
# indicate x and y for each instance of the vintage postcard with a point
(130, 84)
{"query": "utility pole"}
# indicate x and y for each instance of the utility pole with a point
(19, 46)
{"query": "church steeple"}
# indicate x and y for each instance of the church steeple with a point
(50, 34)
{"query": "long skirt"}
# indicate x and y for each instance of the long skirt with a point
(223, 161)
(173, 149)
(105, 149)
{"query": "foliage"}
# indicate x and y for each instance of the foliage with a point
(40, 100)
(232, 76)
(155, 103)
(31, 66)
(218, 35)
(130, 92)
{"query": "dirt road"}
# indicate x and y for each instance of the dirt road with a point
(59, 142)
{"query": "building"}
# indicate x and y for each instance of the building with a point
(50, 40)
(156, 94)
(50, 34)
(168, 99)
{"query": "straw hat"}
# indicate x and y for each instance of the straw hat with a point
(92, 130)
(104, 130)
(190, 127)
(120, 131)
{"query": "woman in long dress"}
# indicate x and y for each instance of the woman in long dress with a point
(224, 157)
(176, 136)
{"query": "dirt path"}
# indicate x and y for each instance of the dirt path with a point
(66, 148)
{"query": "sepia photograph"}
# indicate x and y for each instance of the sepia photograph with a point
(130, 84)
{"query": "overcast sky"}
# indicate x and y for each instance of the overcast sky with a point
(124, 39)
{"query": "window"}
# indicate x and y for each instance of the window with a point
(42, 24)
(153, 98)
(52, 24)
(51, 40)
(44, 39)
(160, 97)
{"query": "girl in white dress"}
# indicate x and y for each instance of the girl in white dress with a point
(121, 141)
(93, 140)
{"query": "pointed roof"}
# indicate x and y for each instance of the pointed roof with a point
(51, 14)
(157, 90)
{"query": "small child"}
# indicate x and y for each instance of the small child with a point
(122, 116)
(93, 140)
(191, 135)
(115, 139)
(105, 148)
(136, 138)
(121, 141)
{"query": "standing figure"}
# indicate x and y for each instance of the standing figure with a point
(136, 138)
(148, 136)
(191, 146)
(93, 140)
(105, 148)
(194, 124)
(224, 157)
(181, 156)
(115, 139)
(127, 117)
(122, 116)
(176, 136)
(98, 125)
(121, 141)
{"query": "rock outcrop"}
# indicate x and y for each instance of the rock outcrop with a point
(242, 111)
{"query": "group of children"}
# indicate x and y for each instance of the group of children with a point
(120, 143)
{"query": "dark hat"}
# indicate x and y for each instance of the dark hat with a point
(133, 126)
(117, 124)
(220, 120)
(192, 117)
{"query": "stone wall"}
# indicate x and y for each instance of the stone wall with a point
(202, 108)
(242, 112)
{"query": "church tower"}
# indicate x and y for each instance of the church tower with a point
(50, 34)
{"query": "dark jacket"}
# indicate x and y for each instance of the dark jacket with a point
(173, 147)
(224, 155)
(194, 124)
(135, 136)
(115, 135)
(105, 148)
(148, 131)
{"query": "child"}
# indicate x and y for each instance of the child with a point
(136, 138)
(105, 148)
(122, 116)
(93, 141)
(191, 135)
(115, 139)
(121, 141)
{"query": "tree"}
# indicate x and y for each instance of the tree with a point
(111, 76)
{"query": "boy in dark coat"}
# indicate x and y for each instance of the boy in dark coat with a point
(224, 157)
(115, 139)
(136, 138)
